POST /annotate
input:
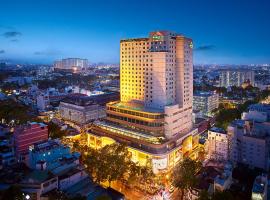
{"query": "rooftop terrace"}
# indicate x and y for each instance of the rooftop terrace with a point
(123, 131)
(95, 99)
(134, 40)
(136, 106)
(157, 146)
(47, 145)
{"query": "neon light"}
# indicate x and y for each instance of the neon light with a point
(191, 45)
(156, 37)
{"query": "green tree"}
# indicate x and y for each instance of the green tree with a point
(11, 110)
(184, 175)
(113, 162)
(109, 163)
(118, 159)
(133, 173)
(92, 162)
(226, 116)
(55, 131)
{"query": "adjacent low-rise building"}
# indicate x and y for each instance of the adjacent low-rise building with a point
(249, 140)
(205, 182)
(57, 159)
(7, 155)
(43, 101)
(27, 135)
(50, 155)
(68, 178)
(257, 112)
(217, 144)
(205, 102)
(37, 183)
(82, 110)
(223, 182)
(260, 187)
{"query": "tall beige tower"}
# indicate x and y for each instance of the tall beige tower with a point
(154, 115)
(158, 72)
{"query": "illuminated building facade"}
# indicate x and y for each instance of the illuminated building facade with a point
(154, 114)
(236, 77)
(205, 102)
(217, 144)
(71, 64)
(83, 110)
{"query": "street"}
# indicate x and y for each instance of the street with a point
(135, 194)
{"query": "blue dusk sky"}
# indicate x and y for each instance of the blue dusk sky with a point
(224, 31)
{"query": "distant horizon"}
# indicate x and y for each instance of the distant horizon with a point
(19, 62)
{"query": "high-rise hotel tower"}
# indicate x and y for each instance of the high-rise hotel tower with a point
(154, 114)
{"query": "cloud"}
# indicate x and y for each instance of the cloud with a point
(2, 51)
(6, 27)
(205, 48)
(14, 40)
(50, 52)
(11, 34)
(38, 53)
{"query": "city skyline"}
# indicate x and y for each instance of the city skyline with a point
(226, 32)
(156, 127)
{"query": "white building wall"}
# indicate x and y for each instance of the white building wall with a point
(71, 64)
(218, 145)
(248, 149)
(158, 79)
(80, 114)
(236, 77)
(255, 115)
(177, 120)
(49, 185)
(42, 101)
(71, 180)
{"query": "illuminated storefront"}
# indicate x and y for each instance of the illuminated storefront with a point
(163, 156)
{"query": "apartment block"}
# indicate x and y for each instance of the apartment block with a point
(217, 144)
(71, 64)
(236, 77)
(26, 135)
(205, 102)
(249, 140)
